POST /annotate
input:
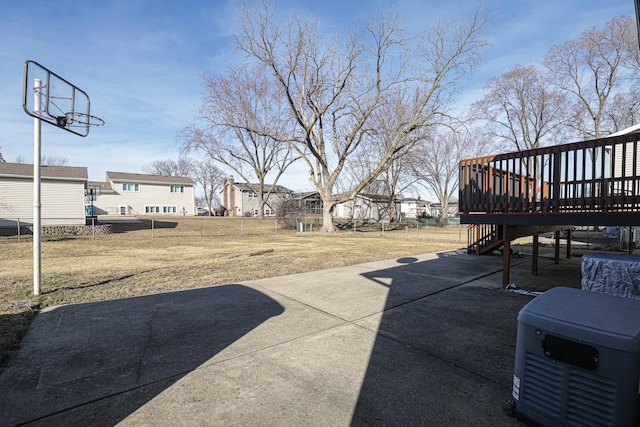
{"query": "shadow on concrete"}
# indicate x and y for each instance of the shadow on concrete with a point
(445, 348)
(127, 350)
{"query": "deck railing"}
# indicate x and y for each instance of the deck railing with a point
(600, 176)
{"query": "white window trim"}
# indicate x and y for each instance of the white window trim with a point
(157, 211)
(174, 209)
(135, 185)
(178, 189)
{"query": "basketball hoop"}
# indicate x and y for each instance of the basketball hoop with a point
(75, 119)
(52, 99)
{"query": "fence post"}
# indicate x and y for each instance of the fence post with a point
(93, 228)
(18, 229)
(241, 226)
(153, 224)
(417, 229)
(276, 225)
(382, 236)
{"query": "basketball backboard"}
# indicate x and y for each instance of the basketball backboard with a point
(51, 98)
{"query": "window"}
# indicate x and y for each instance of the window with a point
(269, 212)
(130, 186)
(177, 188)
(169, 209)
(253, 195)
(254, 212)
(152, 209)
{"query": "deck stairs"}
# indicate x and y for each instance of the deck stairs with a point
(484, 238)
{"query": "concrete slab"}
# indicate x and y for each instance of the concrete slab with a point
(414, 341)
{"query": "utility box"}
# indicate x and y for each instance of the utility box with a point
(578, 359)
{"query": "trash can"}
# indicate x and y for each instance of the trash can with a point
(90, 210)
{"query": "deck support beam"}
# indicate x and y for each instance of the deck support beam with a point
(511, 232)
(506, 256)
(534, 255)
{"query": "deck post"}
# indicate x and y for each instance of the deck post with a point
(568, 243)
(556, 257)
(534, 256)
(506, 256)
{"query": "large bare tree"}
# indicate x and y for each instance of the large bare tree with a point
(592, 68)
(396, 177)
(236, 107)
(436, 160)
(333, 86)
(521, 109)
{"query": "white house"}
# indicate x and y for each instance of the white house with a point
(62, 190)
(371, 207)
(142, 194)
(413, 208)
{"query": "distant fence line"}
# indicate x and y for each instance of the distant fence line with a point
(181, 226)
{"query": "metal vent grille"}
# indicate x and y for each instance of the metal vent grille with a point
(589, 399)
(542, 389)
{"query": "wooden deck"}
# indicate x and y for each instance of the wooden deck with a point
(526, 193)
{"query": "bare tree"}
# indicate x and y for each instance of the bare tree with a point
(334, 86)
(396, 177)
(521, 109)
(2, 160)
(236, 106)
(54, 161)
(437, 160)
(169, 167)
(624, 110)
(210, 178)
(590, 69)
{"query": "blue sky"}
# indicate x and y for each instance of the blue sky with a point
(142, 61)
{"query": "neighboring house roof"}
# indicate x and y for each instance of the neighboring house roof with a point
(243, 186)
(147, 178)
(23, 170)
(378, 198)
(627, 131)
(105, 187)
(305, 195)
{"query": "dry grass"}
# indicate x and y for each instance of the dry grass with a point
(182, 253)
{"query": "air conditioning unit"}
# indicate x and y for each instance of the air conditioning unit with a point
(578, 360)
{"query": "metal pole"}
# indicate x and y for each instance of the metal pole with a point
(18, 229)
(37, 267)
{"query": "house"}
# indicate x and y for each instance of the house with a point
(62, 190)
(413, 208)
(142, 194)
(241, 199)
(305, 203)
(436, 209)
(370, 207)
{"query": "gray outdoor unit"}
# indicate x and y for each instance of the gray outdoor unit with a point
(578, 359)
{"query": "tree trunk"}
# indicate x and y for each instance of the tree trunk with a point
(327, 216)
(392, 208)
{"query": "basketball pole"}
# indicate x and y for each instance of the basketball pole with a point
(37, 125)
